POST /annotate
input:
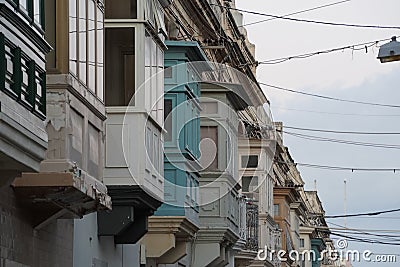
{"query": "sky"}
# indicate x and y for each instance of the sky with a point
(353, 75)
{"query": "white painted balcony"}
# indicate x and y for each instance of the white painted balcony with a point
(134, 148)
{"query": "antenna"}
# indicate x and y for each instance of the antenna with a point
(315, 185)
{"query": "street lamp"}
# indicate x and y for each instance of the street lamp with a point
(390, 52)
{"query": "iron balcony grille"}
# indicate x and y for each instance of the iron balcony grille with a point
(252, 226)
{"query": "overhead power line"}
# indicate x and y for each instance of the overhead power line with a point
(340, 132)
(340, 141)
(336, 113)
(355, 231)
(364, 240)
(295, 13)
(375, 213)
(329, 97)
(310, 21)
(355, 47)
(339, 168)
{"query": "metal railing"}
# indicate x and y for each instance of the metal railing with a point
(252, 226)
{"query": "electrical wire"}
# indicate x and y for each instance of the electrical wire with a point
(340, 141)
(329, 97)
(363, 232)
(375, 213)
(363, 240)
(340, 132)
(338, 168)
(354, 47)
(337, 113)
(310, 21)
(295, 13)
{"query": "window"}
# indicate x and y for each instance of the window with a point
(91, 22)
(250, 161)
(100, 54)
(120, 73)
(209, 147)
(121, 9)
(168, 72)
(276, 210)
(154, 78)
(302, 242)
(168, 119)
(38, 16)
(23, 4)
(73, 31)
(86, 43)
(249, 183)
(82, 41)
(21, 78)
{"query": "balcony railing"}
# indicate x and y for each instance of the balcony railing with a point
(252, 226)
(242, 218)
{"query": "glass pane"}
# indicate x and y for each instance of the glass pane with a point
(82, 41)
(209, 147)
(91, 45)
(72, 37)
(129, 78)
(120, 73)
(250, 161)
(100, 54)
(147, 71)
(168, 119)
(121, 9)
(24, 5)
(36, 11)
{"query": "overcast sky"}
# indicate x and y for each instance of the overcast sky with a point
(351, 75)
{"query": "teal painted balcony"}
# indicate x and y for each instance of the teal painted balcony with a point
(182, 123)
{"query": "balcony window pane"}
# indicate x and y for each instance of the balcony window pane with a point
(249, 183)
(82, 41)
(121, 9)
(276, 210)
(73, 31)
(24, 5)
(147, 71)
(250, 161)
(100, 54)
(120, 71)
(209, 147)
(37, 16)
(168, 119)
(91, 45)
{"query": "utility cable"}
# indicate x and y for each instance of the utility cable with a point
(295, 13)
(340, 132)
(340, 141)
(310, 21)
(375, 213)
(354, 47)
(329, 97)
(336, 113)
(338, 168)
